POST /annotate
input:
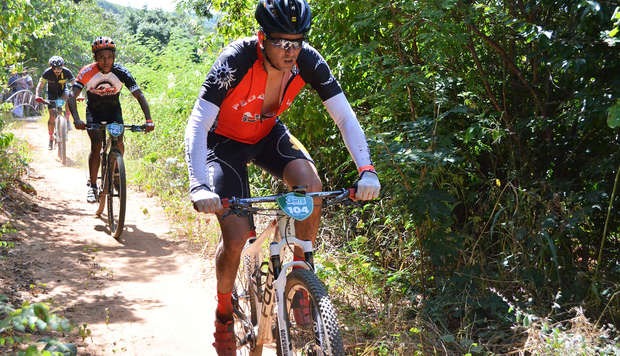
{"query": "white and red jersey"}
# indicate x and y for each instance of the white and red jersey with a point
(103, 89)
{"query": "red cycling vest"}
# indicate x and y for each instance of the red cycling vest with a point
(237, 80)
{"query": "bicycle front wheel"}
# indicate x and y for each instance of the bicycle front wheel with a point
(311, 317)
(61, 138)
(117, 193)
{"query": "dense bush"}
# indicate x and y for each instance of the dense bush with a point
(494, 127)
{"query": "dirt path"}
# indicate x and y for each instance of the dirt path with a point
(145, 295)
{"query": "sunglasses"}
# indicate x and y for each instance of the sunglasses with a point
(287, 44)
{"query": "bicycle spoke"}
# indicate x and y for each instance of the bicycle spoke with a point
(246, 305)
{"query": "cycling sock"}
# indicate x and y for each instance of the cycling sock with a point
(224, 306)
(297, 258)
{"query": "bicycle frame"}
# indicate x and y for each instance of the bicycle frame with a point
(276, 278)
(61, 126)
(110, 141)
(113, 180)
(281, 232)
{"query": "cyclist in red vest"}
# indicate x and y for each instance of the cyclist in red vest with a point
(235, 121)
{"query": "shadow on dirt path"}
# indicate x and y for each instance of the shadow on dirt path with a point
(145, 295)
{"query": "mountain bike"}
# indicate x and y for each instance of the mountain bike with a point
(112, 182)
(24, 103)
(61, 127)
(278, 299)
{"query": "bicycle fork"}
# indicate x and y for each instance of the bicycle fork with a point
(276, 283)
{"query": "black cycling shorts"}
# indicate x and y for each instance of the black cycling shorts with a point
(97, 136)
(52, 101)
(227, 159)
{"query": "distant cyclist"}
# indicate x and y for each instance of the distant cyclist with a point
(58, 79)
(103, 81)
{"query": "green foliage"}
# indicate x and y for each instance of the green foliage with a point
(493, 126)
(19, 17)
(487, 125)
(19, 325)
(613, 118)
(235, 17)
(12, 163)
(574, 336)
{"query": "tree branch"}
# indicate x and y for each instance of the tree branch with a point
(483, 76)
(511, 66)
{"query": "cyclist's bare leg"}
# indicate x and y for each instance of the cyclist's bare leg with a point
(235, 231)
(94, 159)
(67, 111)
(301, 172)
(121, 144)
(51, 123)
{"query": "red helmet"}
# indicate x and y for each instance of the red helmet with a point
(103, 42)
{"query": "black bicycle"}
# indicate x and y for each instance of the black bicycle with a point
(112, 181)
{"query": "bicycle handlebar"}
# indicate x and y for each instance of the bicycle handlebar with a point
(241, 204)
(54, 102)
(93, 126)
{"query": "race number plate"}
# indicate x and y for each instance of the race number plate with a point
(295, 205)
(115, 129)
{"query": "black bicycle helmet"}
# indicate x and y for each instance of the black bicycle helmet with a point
(284, 16)
(56, 61)
(103, 42)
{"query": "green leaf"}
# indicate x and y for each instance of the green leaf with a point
(613, 117)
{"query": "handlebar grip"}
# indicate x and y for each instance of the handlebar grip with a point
(352, 193)
(225, 203)
(135, 128)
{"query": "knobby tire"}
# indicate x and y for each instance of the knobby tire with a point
(61, 138)
(322, 336)
(103, 184)
(117, 193)
(246, 305)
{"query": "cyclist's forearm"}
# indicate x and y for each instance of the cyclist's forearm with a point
(73, 105)
(40, 86)
(341, 112)
(69, 85)
(200, 121)
(144, 105)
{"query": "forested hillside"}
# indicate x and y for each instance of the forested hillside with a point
(494, 127)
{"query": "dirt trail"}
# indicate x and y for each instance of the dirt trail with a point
(145, 295)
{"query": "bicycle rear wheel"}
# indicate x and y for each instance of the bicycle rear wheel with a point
(246, 305)
(61, 138)
(313, 330)
(117, 193)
